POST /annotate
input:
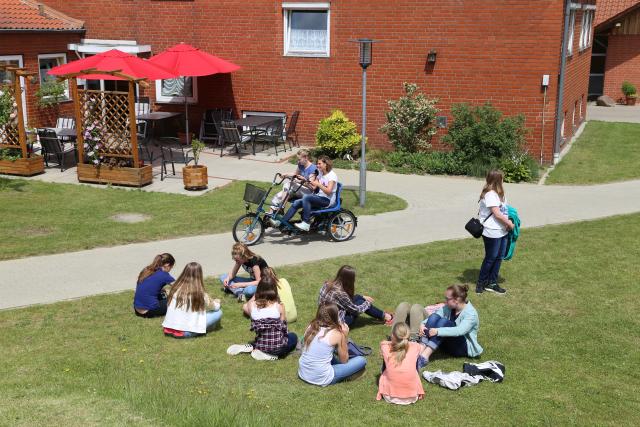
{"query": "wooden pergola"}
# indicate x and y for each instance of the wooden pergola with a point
(13, 133)
(106, 125)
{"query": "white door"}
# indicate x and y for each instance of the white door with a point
(16, 61)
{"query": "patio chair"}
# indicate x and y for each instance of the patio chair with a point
(208, 128)
(273, 135)
(290, 134)
(65, 123)
(142, 106)
(173, 152)
(231, 135)
(144, 153)
(53, 147)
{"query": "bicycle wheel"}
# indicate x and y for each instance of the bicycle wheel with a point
(248, 229)
(342, 225)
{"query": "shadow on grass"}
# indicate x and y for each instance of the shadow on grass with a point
(470, 276)
(12, 185)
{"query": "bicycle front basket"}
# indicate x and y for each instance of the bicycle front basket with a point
(253, 194)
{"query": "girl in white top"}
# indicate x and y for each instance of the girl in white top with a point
(318, 365)
(493, 215)
(191, 312)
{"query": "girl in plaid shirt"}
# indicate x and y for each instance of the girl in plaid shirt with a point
(269, 322)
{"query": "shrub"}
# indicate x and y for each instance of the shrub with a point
(629, 89)
(410, 120)
(337, 135)
(435, 163)
(6, 107)
(50, 93)
(519, 168)
(481, 137)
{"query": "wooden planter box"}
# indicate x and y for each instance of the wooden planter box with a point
(136, 177)
(195, 177)
(23, 167)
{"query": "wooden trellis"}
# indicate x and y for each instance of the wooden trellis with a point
(106, 122)
(12, 133)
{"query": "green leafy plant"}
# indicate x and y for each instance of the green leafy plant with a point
(519, 168)
(629, 89)
(481, 137)
(410, 120)
(6, 107)
(50, 93)
(11, 154)
(337, 135)
(196, 147)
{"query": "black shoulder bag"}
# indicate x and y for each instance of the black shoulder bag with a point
(475, 227)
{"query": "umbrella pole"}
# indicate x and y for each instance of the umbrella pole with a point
(186, 108)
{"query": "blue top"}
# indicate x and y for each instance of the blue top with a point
(467, 324)
(311, 169)
(148, 291)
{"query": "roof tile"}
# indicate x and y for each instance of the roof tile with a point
(31, 15)
(607, 9)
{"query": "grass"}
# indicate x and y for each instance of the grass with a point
(566, 331)
(605, 152)
(43, 218)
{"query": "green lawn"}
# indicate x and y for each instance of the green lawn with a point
(42, 218)
(567, 332)
(605, 152)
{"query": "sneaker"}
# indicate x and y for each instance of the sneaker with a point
(479, 289)
(495, 288)
(261, 355)
(304, 226)
(239, 348)
(242, 298)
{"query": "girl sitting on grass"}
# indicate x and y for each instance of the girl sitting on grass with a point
(325, 335)
(149, 300)
(241, 287)
(284, 293)
(191, 312)
(400, 382)
(269, 322)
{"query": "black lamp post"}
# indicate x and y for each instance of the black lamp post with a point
(365, 61)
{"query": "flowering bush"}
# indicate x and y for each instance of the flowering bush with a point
(92, 144)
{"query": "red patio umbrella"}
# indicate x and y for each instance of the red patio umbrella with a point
(187, 61)
(114, 60)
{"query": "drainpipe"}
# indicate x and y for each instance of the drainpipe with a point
(563, 69)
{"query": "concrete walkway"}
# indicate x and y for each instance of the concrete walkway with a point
(618, 113)
(438, 209)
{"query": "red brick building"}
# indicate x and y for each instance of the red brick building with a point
(617, 48)
(298, 55)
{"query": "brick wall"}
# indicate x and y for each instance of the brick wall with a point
(576, 83)
(623, 63)
(30, 45)
(486, 51)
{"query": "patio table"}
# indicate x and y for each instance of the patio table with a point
(255, 122)
(153, 118)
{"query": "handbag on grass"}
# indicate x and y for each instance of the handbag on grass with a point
(475, 227)
(357, 350)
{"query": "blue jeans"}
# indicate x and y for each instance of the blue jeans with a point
(248, 291)
(308, 202)
(213, 317)
(341, 371)
(494, 252)
(291, 345)
(374, 312)
(454, 346)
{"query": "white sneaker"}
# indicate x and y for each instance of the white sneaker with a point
(261, 355)
(304, 226)
(239, 348)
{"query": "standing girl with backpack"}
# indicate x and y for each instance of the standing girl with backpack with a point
(191, 311)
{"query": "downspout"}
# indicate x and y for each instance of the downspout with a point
(563, 69)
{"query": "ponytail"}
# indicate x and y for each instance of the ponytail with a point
(157, 263)
(400, 341)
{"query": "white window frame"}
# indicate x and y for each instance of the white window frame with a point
(246, 114)
(67, 96)
(586, 30)
(177, 99)
(287, 8)
(572, 30)
(20, 60)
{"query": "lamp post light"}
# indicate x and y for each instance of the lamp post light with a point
(365, 61)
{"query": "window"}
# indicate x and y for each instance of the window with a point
(580, 108)
(573, 117)
(564, 122)
(8, 77)
(174, 90)
(572, 28)
(49, 61)
(306, 29)
(585, 30)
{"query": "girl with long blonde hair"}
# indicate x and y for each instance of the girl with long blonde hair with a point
(324, 336)
(149, 299)
(242, 287)
(493, 215)
(191, 311)
(400, 382)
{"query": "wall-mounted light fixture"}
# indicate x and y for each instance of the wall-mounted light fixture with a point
(431, 56)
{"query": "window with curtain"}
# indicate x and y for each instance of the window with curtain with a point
(572, 28)
(306, 30)
(174, 90)
(585, 31)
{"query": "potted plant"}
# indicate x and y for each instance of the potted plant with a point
(195, 176)
(630, 93)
